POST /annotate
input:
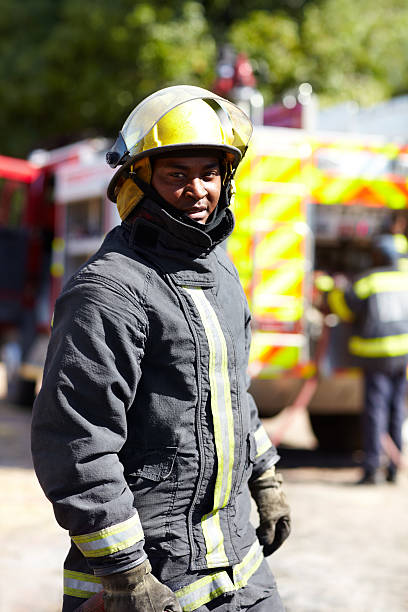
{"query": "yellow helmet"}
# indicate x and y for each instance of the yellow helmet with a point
(179, 117)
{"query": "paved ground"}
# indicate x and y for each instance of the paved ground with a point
(348, 551)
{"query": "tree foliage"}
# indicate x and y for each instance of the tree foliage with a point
(71, 68)
(356, 50)
(83, 71)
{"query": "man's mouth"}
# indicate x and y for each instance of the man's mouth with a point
(195, 211)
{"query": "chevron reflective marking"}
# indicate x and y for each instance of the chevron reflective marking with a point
(111, 539)
(274, 362)
(334, 190)
(263, 442)
(282, 242)
(276, 168)
(239, 247)
(78, 584)
(284, 278)
(279, 207)
(350, 190)
(365, 194)
(273, 353)
(291, 312)
(223, 426)
(278, 293)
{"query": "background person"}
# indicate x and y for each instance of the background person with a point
(376, 305)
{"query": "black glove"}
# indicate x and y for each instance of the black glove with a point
(137, 590)
(273, 509)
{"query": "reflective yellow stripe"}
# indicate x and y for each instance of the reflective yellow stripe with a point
(338, 305)
(223, 427)
(208, 588)
(110, 540)
(401, 243)
(388, 346)
(248, 566)
(380, 282)
(403, 264)
(78, 584)
(204, 590)
(262, 440)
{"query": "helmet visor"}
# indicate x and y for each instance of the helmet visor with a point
(145, 116)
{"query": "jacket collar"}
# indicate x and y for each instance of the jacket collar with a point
(175, 244)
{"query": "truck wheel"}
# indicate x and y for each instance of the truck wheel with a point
(337, 432)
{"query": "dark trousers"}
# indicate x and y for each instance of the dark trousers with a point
(384, 412)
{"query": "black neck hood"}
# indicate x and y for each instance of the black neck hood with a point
(154, 221)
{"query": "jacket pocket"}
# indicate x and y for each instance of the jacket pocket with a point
(158, 464)
(154, 483)
(251, 449)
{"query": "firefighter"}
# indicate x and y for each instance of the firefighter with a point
(144, 435)
(376, 305)
(395, 226)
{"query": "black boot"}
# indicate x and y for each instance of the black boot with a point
(391, 475)
(370, 477)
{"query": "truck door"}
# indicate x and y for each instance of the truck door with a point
(272, 248)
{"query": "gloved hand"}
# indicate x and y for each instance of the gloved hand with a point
(137, 590)
(273, 509)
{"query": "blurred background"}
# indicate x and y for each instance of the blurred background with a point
(75, 68)
(325, 83)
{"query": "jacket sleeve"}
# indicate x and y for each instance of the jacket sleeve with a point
(344, 303)
(79, 423)
(264, 453)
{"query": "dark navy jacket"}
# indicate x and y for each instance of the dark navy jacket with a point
(376, 305)
(144, 435)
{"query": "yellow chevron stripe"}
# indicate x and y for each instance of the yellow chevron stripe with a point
(281, 243)
(284, 359)
(279, 207)
(389, 193)
(283, 280)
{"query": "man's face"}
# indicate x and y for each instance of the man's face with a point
(190, 184)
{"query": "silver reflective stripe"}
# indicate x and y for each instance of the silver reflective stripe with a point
(209, 587)
(204, 590)
(78, 584)
(110, 540)
(248, 566)
(262, 440)
(223, 427)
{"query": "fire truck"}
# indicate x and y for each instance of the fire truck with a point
(26, 229)
(43, 238)
(307, 208)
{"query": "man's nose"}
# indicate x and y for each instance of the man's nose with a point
(196, 189)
